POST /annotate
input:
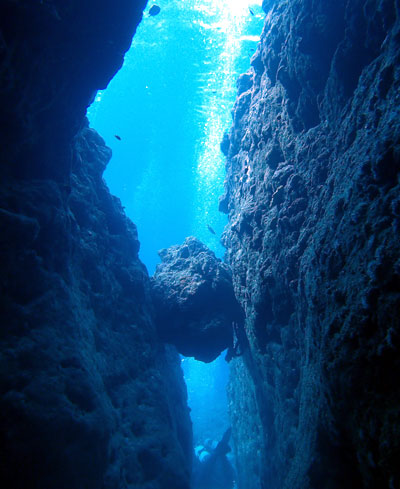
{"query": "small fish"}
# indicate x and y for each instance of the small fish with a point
(210, 229)
(251, 11)
(117, 137)
(154, 10)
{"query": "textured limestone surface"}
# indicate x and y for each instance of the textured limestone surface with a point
(90, 398)
(313, 198)
(194, 300)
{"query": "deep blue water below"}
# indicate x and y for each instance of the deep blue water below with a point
(206, 384)
(169, 106)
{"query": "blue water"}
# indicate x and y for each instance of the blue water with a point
(170, 105)
(206, 385)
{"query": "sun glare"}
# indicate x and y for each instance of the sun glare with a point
(240, 5)
(228, 18)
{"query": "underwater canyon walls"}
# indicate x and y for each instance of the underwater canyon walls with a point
(312, 194)
(90, 397)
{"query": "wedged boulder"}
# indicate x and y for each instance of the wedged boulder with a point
(194, 300)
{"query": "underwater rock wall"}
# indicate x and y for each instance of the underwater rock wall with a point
(90, 397)
(312, 194)
(54, 56)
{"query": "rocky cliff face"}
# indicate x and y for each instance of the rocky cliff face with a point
(90, 397)
(312, 193)
(54, 56)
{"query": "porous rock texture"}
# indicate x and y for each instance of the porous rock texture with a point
(194, 300)
(313, 197)
(90, 397)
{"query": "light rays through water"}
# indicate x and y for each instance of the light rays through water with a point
(170, 105)
(226, 26)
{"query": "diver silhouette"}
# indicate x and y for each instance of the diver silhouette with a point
(239, 342)
(215, 470)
